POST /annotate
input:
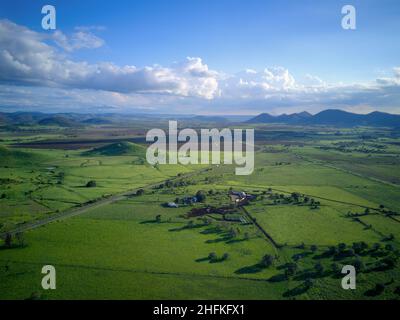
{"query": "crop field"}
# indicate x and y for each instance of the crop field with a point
(125, 229)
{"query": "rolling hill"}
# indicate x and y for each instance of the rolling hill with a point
(57, 120)
(118, 149)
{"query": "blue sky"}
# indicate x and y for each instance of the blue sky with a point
(304, 38)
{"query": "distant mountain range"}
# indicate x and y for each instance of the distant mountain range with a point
(329, 117)
(79, 120)
(57, 119)
(332, 117)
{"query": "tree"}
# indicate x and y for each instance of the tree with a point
(267, 261)
(8, 240)
(351, 252)
(379, 288)
(390, 237)
(212, 256)
(335, 268)
(168, 183)
(356, 247)
(389, 262)
(291, 269)
(364, 245)
(342, 247)
(332, 250)
(139, 192)
(295, 196)
(302, 246)
(91, 184)
(158, 218)
(319, 268)
(201, 196)
(20, 238)
(376, 246)
(225, 256)
(359, 265)
(389, 247)
(314, 248)
(232, 233)
(308, 283)
(190, 224)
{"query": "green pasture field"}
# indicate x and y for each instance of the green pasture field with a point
(137, 248)
(134, 248)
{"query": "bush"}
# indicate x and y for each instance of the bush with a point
(91, 184)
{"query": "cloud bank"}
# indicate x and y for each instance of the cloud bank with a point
(39, 65)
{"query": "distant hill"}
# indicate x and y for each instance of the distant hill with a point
(332, 117)
(3, 119)
(284, 118)
(58, 120)
(208, 119)
(118, 149)
(22, 118)
(96, 121)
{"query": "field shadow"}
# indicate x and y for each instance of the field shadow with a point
(209, 260)
(13, 247)
(222, 238)
(187, 227)
(296, 291)
(250, 269)
(278, 278)
(202, 259)
(373, 292)
(311, 274)
(323, 255)
(236, 240)
(212, 230)
(302, 255)
(149, 222)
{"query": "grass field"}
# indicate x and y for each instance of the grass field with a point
(310, 194)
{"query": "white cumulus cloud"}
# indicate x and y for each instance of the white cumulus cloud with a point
(27, 59)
